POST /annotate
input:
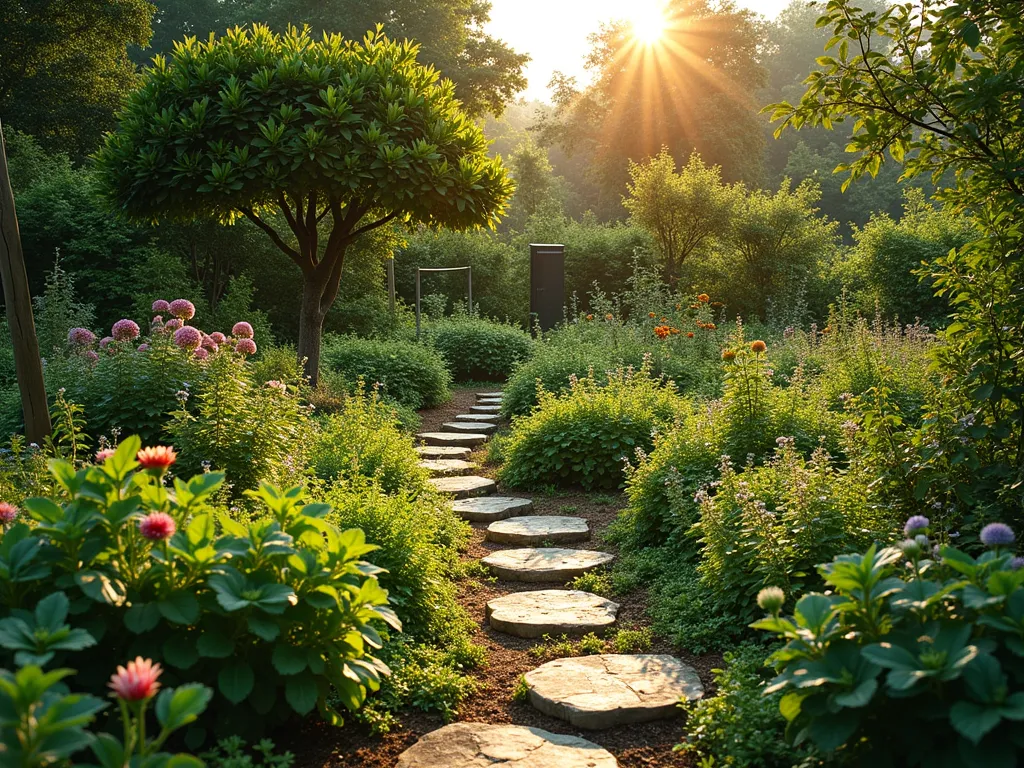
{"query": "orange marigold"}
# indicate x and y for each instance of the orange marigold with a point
(689, 334)
(711, 326)
(728, 354)
(590, 317)
(703, 298)
(609, 316)
(650, 315)
(758, 347)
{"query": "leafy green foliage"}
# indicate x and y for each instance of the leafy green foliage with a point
(230, 752)
(476, 349)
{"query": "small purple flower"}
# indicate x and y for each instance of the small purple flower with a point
(201, 354)
(125, 330)
(997, 535)
(245, 347)
(916, 524)
(173, 324)
(209, 344)
(91, 356)
(161, 305)
(242, 330)
(218, 337)
(1017, 563)
(81, 337)
(143, 347)
(182, 309)
(188, 337)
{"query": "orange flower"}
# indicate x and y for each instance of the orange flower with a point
(664, 319)
(728, 355)
(689, 334)
(711, 326)
(757, 347)
(650, 315)
(609, 316)
(703, 298)
(717, 304)
(158, 457)
(590, 317)
(678, 307)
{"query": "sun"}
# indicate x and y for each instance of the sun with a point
(648, 22)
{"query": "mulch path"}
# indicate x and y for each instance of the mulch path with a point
(635, 746)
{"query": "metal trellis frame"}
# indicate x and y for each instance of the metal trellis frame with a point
(469, 284)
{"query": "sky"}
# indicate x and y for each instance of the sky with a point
(554, 32)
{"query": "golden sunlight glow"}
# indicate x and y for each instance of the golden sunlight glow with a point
(648, 20)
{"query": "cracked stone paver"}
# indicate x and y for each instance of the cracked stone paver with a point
(464, 486)
(485, 509)
(551, 612)
(448, 466)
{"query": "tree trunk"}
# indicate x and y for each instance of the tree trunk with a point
(311, 325)
(27, 364)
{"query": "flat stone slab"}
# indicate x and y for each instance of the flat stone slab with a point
(490, 401)
(486, 395)
(444, 467)
(487, 418)
(488, 508)
(465, 486)
(482, 745)
(538, 530)
(544, 563)
(481, 427)
(461, 440)
(442, 452)
(596, 692)
(551, 612)
(485, 408)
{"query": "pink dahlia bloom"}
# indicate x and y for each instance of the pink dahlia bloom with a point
(137, 681)
(201, 354)
(103, 455)
(246, 347)
(91, 356)
(8, 513)
(81, 337)
(125, 330)
(173, 324)
(161, 305)
(156, 457)
(182, 308)
(218, 337)
(157, 526)
(143, 347)
(188, 337)
(242, 330)
(106, 341)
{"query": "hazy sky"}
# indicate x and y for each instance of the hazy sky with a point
(554, 32)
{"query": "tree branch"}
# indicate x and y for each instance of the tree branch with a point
(291, 252)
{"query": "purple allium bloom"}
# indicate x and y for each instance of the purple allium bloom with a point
(188, 337)
(173, 324)
(246, 347)
(8, 513)
(143, 347)
(242, 330)
(208, 343)
(997, 535)
(81, 337)
(201, 354)
(182, 309)
(161, 305)
(1017, 563)
(125, 330)
(218, 337)
(91, 356)
(915, 524)
(106, 341)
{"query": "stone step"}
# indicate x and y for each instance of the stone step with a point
(551, 612)
(472, 745)
(464, 487)
(489, 401)
(446, 467)
(597, 692)
(532, 531)
(488, 418)
(544, 563)
(488, 508)
(485, 408)
(468, 426)
(443, 452)
(467, 440)
(489, 395)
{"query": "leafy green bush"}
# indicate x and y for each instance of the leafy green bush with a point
(272, 614)
(550, 368)
(409, 373)
(586, 435)
(476, 349)
(913, 659)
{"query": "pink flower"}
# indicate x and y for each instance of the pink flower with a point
(201, 354)
(156, 457)
(209, 343)
(173, 324)
(157, 526)
(125, 330)
(183, 309)
(188, 337)
(157, 322)
(161, 305)
(218, 337)
(280, 386)
(246, 347)
(242, 330)
(81, 337)
(106, 341)
(143, 347)
(103, 455)
(8, 513)
(91, 356)
(137, 681)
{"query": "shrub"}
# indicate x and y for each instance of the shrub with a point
(409, 373)
(914, 659)
(271, 614)
(586, 435)
(476, 349)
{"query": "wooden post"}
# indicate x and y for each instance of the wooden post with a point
(27, 364)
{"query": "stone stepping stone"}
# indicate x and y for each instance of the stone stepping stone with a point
(544, 563)
(489, 401)
(444, 467)
(489, 395)
(476, 745)
(485, 509)
(442, 452)
(551, 612)
(461, 440)
(538, 530)
(488, 418)
(485, 408)
(597, 692)
(464, 487)
(468, 426)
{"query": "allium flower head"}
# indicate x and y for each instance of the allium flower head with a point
(910, 548)
(209, 343)
(242, 330)
(757, 347)
(8, 513)
(245, 347)
(143, 347)
(916, 524)
(104, 454)
(161, 305)
(173, 324)
(200, 354)
(106, 341)
(157, 526)
(1017, 563)
(125, 330)
(771, 599)
(81, 337)
(188, 337)
(137, 681)
(218, 337)
(997, 535)
(183, 309)
(156, 457)
(91, 356)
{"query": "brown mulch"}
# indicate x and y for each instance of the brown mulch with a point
(635, 746)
